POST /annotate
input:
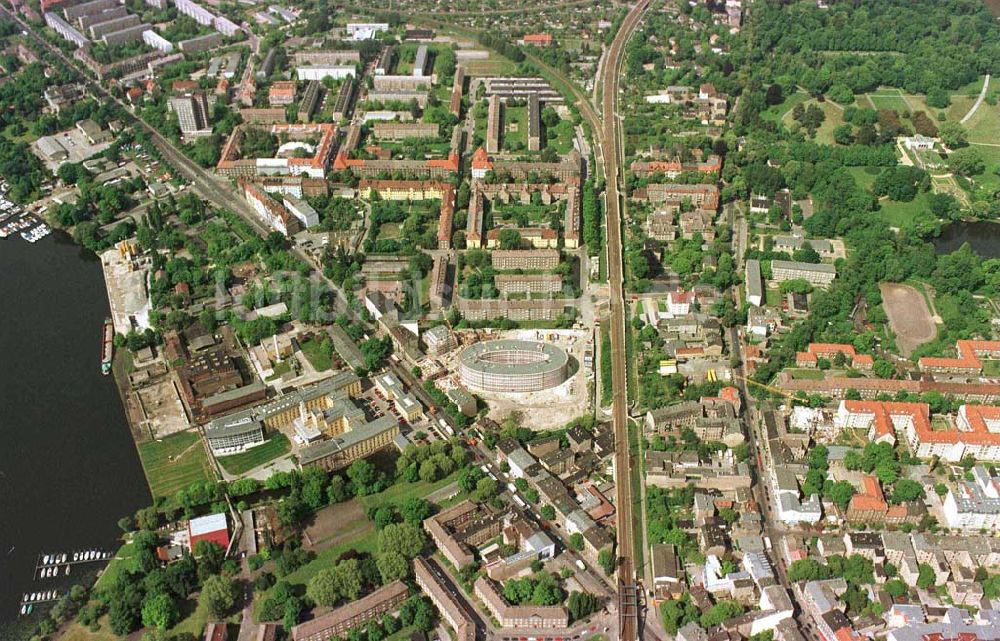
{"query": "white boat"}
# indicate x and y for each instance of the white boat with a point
(24, 609)
(67, 570)
(64, 557)
(34, 595)
(45, 560)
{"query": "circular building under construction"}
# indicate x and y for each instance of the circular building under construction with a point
(513, 366)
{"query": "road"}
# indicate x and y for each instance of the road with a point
(979, 100)
(610, 143)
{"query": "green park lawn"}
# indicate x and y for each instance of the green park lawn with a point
(243, 462)
(898, 214)
(174, 463)
(316, 355)
(515, 131)
(777, 112)
(401, 491)
(889, 99)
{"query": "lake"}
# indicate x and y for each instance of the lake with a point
(982, 236)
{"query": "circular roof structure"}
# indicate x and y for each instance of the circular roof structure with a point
(514, 357)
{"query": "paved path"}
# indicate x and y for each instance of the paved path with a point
(979, 100)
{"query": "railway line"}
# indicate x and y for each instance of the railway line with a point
(629, 589)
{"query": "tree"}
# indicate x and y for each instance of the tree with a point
(510, 238)
(840, 93)
(218, 595)
(342, 581)
(392, 566)
(548, 512)
(907, 490)
(807, 570)
(576, 541)
(486, 488)
(363, 475)
(159, 611)
(720, 612)
(938, 98)
(840, 492)
(415, 510)
(953, 135)
(405, 539)
(967, 161)
(896, 588)
(606, 559)
(581, 604)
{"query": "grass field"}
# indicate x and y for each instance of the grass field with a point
(243, 462)
(317, 357)
(493, 66)
(865, 176)
(984, 126)
(777, 112)
(897, 214)
(807, 374)
(889, 99)
(561, 137)
(119, 564)
(515, 127)
(399, 492)
(834, 117)
(991, 155)
(174, 463)
(388, 231)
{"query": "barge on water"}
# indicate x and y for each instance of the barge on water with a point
(107, 350)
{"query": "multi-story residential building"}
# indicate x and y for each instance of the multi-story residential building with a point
(869, 388)
(792, 244)
(816, 274)
(673, 168)
(462, 527)
(310, 99)
(99, 29)
(353, 615)
(528, 283)
(517, 310)
(66, 30)
(319, 72)
(193, 113)
(326, 57)
(400, 83)
(511, 616)
(303, 211)
(439, 340)
(263, 116)
(156, 41)
(272, 213)
(404, 130)
(534, 123)
(754, 283)
(281, 92)
(345, 100)
(430, 577)
(200, 43)
(974, 505)
(701, 196)
(831, 352)
(494, 125)
(968, 361)
(508, 259)
(520, 88)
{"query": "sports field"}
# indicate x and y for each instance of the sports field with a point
(909, 316)
(174, 463)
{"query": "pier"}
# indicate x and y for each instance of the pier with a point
(50, 566)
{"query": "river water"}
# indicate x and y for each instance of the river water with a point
(68, 465)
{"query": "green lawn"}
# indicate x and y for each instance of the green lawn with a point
(984, 126)
(280, 370)
(777, 112)
(274, 447)
(991, 156)
(888, 99)
(865, 176)
(834, 117)
(388, 231)
(772, 297)
(561, 137)
(174, 463)
(401, 491)
(991, 368)
(515, 127)
(807, 374)
(898, 214)
(118, 565)
(316, 355)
